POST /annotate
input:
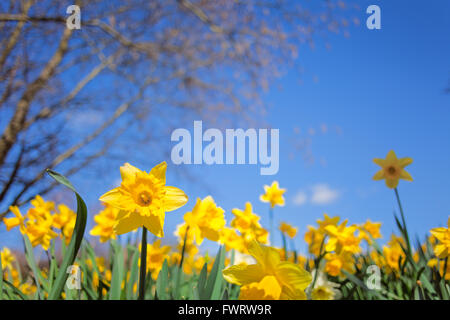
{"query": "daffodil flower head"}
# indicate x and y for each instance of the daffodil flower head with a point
(17, 220)
(206, 220)
(288, 230)
(442, 248)
(392, 169)
(270, 278)
(143, 199)
(273, 194)
(106, 220)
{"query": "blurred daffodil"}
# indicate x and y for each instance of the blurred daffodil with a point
(442, 248)
(106, 220)
(273, 194)
(288, 230)
(392, 169)
(205, 220)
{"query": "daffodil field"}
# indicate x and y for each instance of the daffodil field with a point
(345, 259)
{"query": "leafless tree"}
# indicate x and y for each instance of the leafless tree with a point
(134, 70)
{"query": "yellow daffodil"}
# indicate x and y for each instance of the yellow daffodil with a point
(190, 248)
(63, 217)
(247, 223)
(205, 220)
(17, 220)
(106, 220)
(244, 219)
(314, 238)
(288, 230)
(342, 238)
(40, 230)
(7, 258)
(370, 228)
(440, 265)
(156, 254)
(273, 194)
(327, 220)
(393, 253)
(338, 262)
(270, 278)
(231, 239)
(40, 208)
(143, 199)
(392, 169)
(65, 220)
(442, 248)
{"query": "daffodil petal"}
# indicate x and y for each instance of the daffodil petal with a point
(405, 175)
(267, 289)
(128, 172)
(129, 223)
(403, 162)
(391, 183)
(379, 175)
(155, 224)
(266, 257)
(293, 276)
(174, 198)
(159, 171)
(243, 274)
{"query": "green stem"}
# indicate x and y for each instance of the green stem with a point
(143, 268)
(183, 250)
(403, 221)
(271, 226)
(283, 237)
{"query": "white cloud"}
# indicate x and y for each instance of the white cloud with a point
(300, 198)
(323, 194)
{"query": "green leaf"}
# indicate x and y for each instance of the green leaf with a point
(162, 282)
(215, 280)
(117, 272)
(202, 281)
(133, 275)
(75, 242)
(29, 255)
(15, 290)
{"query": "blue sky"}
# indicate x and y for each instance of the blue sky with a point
(371, 92)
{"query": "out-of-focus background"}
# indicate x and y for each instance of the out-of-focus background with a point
(83, 102)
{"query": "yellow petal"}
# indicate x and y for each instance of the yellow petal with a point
(405, 175)
(267, 257)
(391, 157)
(293, 276)
(113, 196)
(243, 274)
(379, 175)
(403, 162)
(174, 198)
(129, 223)
(159, 171)
(11, 222)
(392, 183)
(267, 289)
(439, 233)
(127, 171)
(379, 162)
(154, 224)
(288, 294)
